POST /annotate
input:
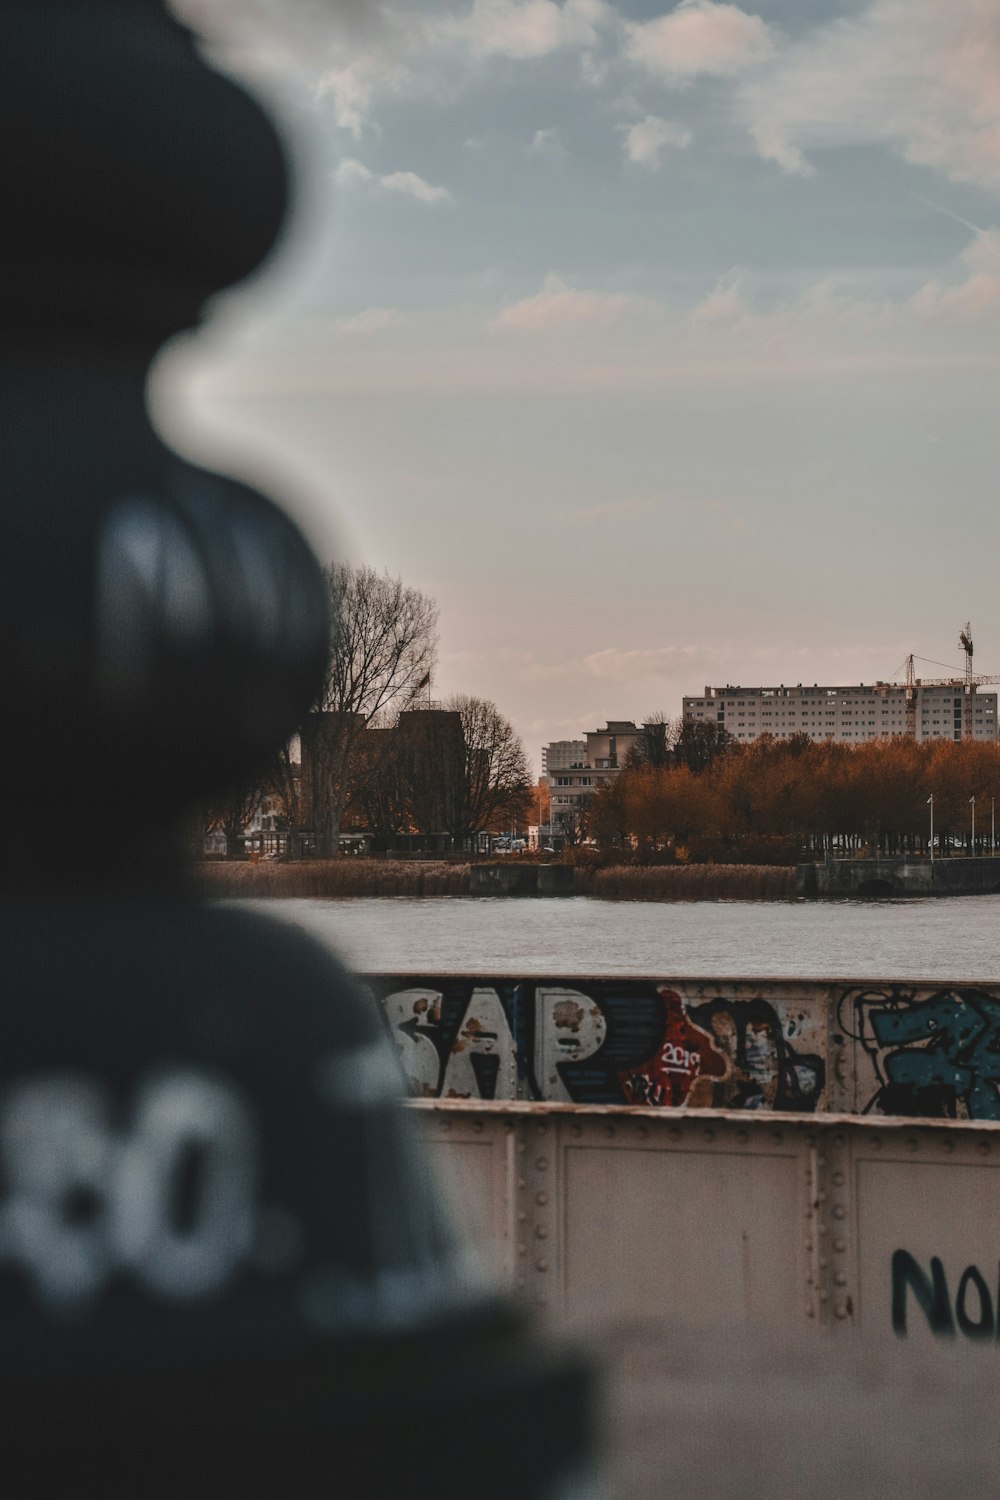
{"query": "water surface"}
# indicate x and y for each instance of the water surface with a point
(948, 938)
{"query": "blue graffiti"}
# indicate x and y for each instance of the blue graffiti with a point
(947, 1046)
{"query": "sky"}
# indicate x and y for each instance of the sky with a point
(658, 343)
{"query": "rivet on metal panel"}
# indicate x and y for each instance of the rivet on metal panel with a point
(983, 1147)
(840, 1311)
(839, 1211)
(809, 1245)
(840, 1246)
(823, 1262)
(541, 1127)
(542, 1163)
(810, 1312)
(912, 1144)
(522, 1147)
(541, 1264)
(522, 1249)
(821, 1161)
(824, 1295)
(820, 1198)
(541, 1199)
(948, 1147)
(839, 1179)
(522, 1282)
(541, 1233)
(522, 1217)
(840, 1279)
(822, 1228)
(522, 1183)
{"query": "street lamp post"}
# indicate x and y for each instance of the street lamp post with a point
(930, 803)
(972, 804)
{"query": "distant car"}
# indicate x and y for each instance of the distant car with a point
(517, 844)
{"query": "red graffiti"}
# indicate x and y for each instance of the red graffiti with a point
(686, 1054)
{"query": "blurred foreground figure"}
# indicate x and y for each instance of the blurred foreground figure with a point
(222, 1269)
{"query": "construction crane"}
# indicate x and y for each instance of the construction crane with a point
(965, 682)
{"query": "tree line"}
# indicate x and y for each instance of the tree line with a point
(692, 791)
(373, 751)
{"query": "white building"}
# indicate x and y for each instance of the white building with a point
(574, 769)
(849, 714)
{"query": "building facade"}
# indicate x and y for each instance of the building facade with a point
(849, 715)
(574, 769)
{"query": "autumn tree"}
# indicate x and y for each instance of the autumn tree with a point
(496, 778)
(382, 653)
(697, 745)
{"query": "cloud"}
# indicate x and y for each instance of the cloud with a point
(975, 297)
(548, 143)
(353, 173)
(558, 307)
(370, 320)
(699, 37)
(722, 305)
(415, 187)
(646, 141)
(525, 29)
(613, 665)
(920, 76)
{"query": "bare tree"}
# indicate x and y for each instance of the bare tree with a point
(496, 778)
(382, 654)
(654, 744)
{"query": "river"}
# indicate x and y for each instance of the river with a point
(948, 938)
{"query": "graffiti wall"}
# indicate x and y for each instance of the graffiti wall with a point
(920, 1052)
(601, 1041)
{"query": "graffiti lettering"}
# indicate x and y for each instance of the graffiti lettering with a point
(934, 1056)
(598, 1042)
(974, 1308)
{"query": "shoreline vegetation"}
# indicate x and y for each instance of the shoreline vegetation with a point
(351, 877)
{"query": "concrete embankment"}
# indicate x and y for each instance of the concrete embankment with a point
(836, 879)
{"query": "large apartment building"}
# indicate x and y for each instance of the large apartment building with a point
(849, 714)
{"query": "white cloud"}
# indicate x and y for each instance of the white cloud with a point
(722, 305)
(699, 37)
(921, 76)
(646, 141)
(975, 297)
(558, 307)
(353, 173)
(525, 29)
(415, 187)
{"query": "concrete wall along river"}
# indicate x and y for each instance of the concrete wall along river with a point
(795, 1153)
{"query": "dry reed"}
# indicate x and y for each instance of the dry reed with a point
(693, 883)
(334, 877)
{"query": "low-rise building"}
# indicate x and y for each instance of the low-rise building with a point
(574, 774)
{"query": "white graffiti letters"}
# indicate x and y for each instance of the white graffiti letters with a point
(169, 1199)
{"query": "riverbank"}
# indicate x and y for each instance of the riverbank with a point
(375, 877)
